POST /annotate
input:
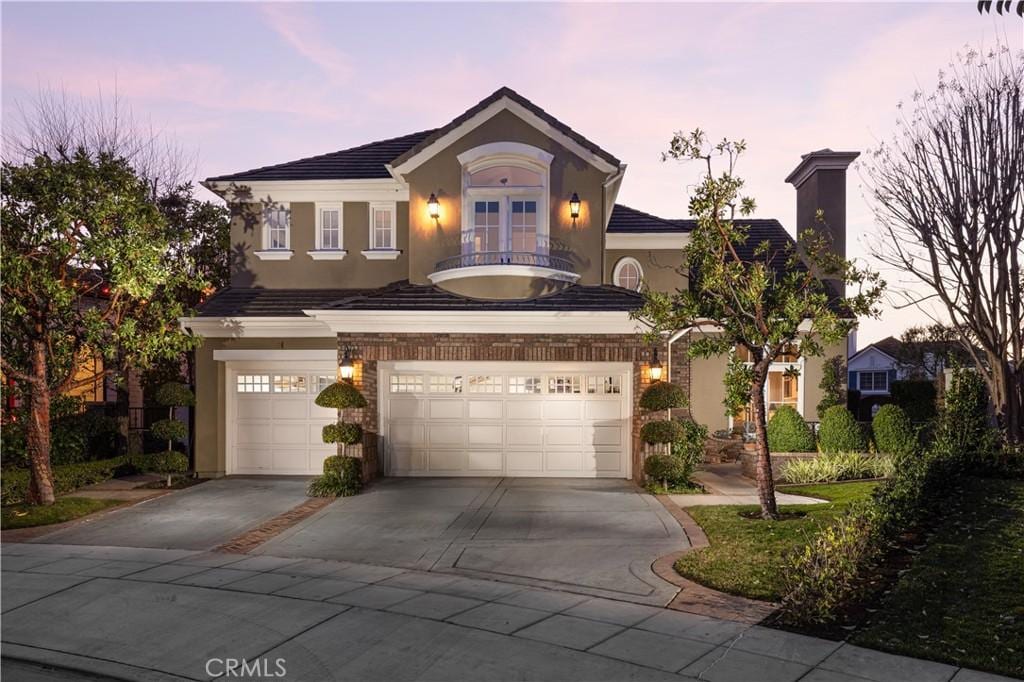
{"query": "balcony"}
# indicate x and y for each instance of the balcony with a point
(503, 275)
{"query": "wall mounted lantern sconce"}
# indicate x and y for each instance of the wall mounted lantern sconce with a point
(574, 207)
(655, 367)
(433, 207)
(346, 369)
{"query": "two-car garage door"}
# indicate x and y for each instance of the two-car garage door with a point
(442, 419)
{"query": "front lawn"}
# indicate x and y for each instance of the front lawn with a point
(745, 555)
(64, 509)
(962, 601)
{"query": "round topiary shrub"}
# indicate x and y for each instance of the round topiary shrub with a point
(665, 469)
(170, 462)
(343, 476)
(343, 432)
(894, 432)
(840, 432)
(662, 431)
(169, 429)
(661, 395)
(341, 395)
(174, 394)
(788, 432)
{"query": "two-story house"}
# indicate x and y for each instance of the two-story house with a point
(478, 280)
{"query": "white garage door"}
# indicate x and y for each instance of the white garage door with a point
(274, 427)
(513, 419)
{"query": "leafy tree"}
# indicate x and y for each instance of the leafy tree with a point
(763, 304)
(86, 269)
(948, 195)
(831, 385)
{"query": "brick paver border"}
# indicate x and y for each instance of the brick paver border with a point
(254, 537)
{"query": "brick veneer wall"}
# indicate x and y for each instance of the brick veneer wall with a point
(369, 349)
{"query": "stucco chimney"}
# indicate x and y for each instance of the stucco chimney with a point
(820, 182)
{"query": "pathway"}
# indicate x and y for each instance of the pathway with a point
(727, 485)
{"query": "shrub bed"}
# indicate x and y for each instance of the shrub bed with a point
(844, 466)
(840, 432)
(788, 432)
(66, 477)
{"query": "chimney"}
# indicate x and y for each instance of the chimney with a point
(820, 182)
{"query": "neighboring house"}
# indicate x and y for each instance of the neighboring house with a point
(873, 368)
(480, 278)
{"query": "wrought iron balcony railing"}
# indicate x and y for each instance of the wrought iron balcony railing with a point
(468, 260)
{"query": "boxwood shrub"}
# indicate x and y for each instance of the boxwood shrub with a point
(840, 432)
(341, 395)
(788, 432)
(662, 431)
(343, 432)
(665, 469)
(662, 395)
(894, 433)
(342, 477)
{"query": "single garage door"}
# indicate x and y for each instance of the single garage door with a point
(509, 419)
(274, 427)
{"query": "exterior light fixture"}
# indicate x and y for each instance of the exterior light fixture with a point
(655, 367)
(346, 369)
(574, 207)
(433, 207)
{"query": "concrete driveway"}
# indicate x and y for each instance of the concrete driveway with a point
(593, 536)
(197, 518)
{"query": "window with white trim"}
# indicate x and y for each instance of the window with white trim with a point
(445, 384)
(253, 383)
(524, 385)
(406, 383)
(329, 227)
(484, 384)
(289, 383)
(564, 384)
(505, 205)
(873, 381)
(277, 228)
(382, 227)
(628, 274)
(604, 385)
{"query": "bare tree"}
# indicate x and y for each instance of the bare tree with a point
(57, 124)
(948, 194)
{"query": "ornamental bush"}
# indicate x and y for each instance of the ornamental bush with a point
(342, 477)
(662, 395)
(916, 397)
(174, 394)
(831, 385)
(665, 469)
(66, 478)
(840, 432)
(168, 462)
(689, 449)
(788, 432)
(662, 431)
(843, 466)
(341, 395)
(894, 432)
(169, 429)
(963, 430)
(343, 432)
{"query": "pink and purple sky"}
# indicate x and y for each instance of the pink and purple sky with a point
(245, 85)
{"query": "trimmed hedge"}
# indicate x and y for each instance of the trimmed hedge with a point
(169, 429)
(917, 398)
(167, 462)
(341, 395)
(343, 432)
(788, 432)
(665, 469)
(661, 395)
(66, 478)
(174, 394)
(840, 432)
(662, 431)
(894, 432)
(342, 477)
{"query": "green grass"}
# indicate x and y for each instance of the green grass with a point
(684, 489)
(745, 555)
(962, 601)
(64, 509)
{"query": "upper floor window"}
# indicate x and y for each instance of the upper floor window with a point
(328, 227)
(277, 227)
(628, 274)
(873, 381)
(505, 199)
(382, 226)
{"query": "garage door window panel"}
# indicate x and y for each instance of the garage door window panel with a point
(524, 384)
(604, 385)
(446, 384)
(564, 384)
(406, 383)
(289, 383)
(484, 384)
(253, 383)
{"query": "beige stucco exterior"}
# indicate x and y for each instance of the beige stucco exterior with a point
(661, 267)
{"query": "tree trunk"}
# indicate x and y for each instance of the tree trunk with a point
(765, 481)
(1006, 399)
(40, 488)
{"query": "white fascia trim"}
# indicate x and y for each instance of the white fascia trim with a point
(327, 254)
(275, 355)
(274, 254)
(256, 327)
(311, 190)
(478, 322)
(382, 254)
(503, 270)
(646, 240)
(485, 115)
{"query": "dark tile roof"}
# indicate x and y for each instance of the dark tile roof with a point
(364, 162)
(519, 99)
(241, 302)
(625, 219)
(406, 296)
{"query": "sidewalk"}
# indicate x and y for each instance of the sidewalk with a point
(726, 485)
(151, 614)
